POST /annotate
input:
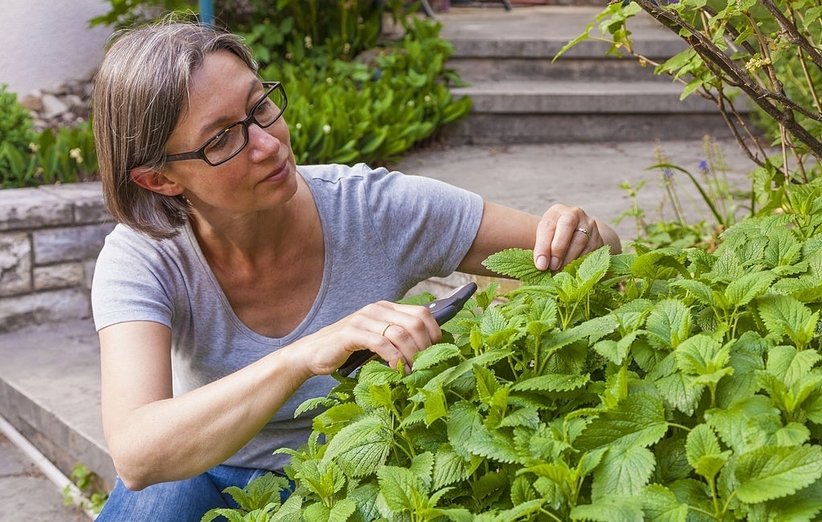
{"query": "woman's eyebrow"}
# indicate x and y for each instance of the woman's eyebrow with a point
(220, 122)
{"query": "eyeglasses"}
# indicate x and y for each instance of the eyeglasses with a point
(233, 139)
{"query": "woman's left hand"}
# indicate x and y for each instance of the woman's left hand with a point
(563, 234)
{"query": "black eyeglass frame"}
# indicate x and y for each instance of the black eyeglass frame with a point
(200, 152)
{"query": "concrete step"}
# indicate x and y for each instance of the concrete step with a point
(50, 393)
(520, 96)
(563, 112)
(568, 97)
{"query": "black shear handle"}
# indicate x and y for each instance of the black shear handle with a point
(442, 309)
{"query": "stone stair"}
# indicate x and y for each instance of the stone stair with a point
(520, 96)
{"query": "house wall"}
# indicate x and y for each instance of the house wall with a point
(46, 42)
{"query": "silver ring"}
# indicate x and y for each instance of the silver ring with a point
(389, 325)
(584, 231)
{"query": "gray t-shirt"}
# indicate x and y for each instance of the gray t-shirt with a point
(384, 232)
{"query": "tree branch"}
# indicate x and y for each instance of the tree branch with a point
(792, 34)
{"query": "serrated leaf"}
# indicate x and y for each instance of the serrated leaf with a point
(593, 267)
(639, 420)
(342, 510)
(699, 290)
(785, 315)
(398, 487)
(701, 442)
(449, 468)
(552, 382)
(491, 445)
(463, 423)
(703, 356)
(610, 509)
(681, 394)
(773, 472)
(802, 505)
(435, 405)
(733, 424)
(623, 471)
(517, 263)
(435, 355)
(790, 365)
(362, 446)
(669, 323)
(659, 504)
(748, 287)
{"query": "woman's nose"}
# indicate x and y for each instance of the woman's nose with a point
(262, 144)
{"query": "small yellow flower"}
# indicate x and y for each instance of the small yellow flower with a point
(307, 42)
(298, 126)
(326, 128)
(78, 157)
(34, 147)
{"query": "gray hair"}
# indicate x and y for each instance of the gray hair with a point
(140, 92)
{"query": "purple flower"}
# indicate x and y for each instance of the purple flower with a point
(668, 173)
(703, 166)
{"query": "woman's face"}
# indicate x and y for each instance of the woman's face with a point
(222, 92)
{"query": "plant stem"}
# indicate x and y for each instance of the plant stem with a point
(680, 426)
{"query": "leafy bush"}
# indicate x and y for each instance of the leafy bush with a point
(340, 111)
(16, 126)
(693, 392)
(29, 158)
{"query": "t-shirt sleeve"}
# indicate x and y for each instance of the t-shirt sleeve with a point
(426, 226)
(128, 284)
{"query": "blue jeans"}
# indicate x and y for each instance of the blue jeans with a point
(178, 501)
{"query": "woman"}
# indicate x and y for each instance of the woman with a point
(236, 282)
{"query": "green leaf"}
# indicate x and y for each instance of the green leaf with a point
(639, 420)
(659, 504)
(704, 453)
(748, 287)
(362, 446)
(435, 405)
(701, 441)
(434, 355)
(773, 472)
(623, 471)
(699, 290)
(785, 315)
(449, 468)
(552, 382)
(669, 323)
(610, 509)
(734, 423)
(399, 487)
(517, 263)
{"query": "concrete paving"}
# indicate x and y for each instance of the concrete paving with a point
(26, 494)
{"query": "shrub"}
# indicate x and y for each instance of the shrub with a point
(29, 158)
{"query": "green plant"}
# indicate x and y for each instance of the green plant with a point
(679, 226)
(53, 156)
(669, 384)
(734, 47)
(342, 111)
(16, 129)
(90, 486)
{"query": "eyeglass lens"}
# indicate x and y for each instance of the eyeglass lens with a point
(232, 140)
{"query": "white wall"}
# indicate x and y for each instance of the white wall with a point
(46, 42)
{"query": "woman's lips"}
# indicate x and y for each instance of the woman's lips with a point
(278, 173)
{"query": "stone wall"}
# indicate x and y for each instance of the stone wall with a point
(49, 240)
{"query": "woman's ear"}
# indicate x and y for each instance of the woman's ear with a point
(152, 179)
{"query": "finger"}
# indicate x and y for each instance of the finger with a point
(545, 235)
(580, 240)
(564, 234)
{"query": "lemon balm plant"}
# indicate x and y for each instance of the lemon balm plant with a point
(669, 384)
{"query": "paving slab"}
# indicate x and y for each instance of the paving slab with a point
(587, 175)
(26, 494)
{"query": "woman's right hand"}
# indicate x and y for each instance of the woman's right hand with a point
(395, 332)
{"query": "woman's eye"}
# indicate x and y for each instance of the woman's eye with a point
(219, 141)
